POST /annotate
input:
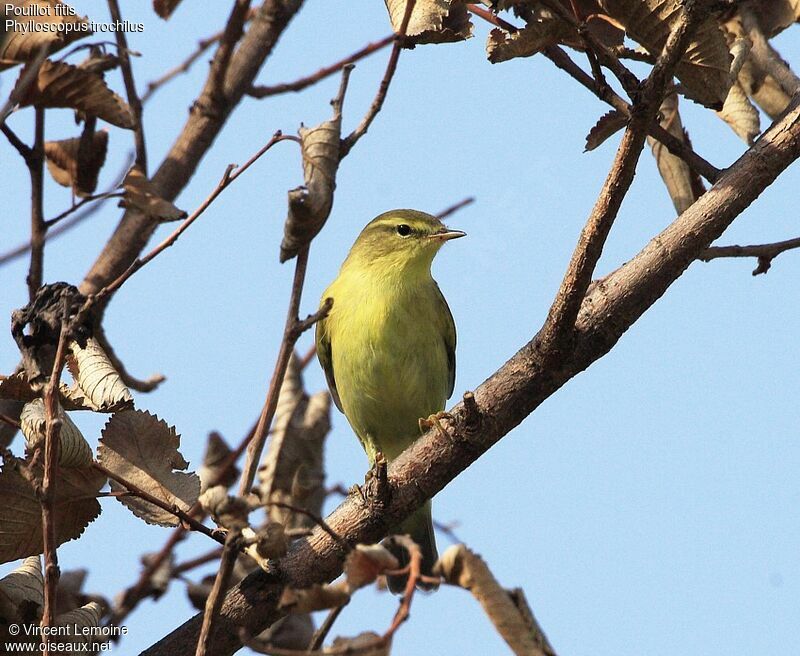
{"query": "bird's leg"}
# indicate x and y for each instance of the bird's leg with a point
(435, 420)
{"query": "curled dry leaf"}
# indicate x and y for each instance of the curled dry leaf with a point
(310, 205)
(704, 69)
(22, 593)
(607, 125)
(317, 597)
(76, 627)
(25, 45)
(739, 113)
(216, 455)
(16, 388)
(65, 167)
(21, 522)
(141, 194)
(534, 37)
(368, 643)
(683, 185)
(143, 450)
(164, 8)
(75, 450)
(460, 566)
(365, 563)
(763, 89)
(774, 16)
(432, 21)
(226, 510)
(63, 85)
(96, 377)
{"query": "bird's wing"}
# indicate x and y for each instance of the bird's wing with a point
(448, 330)
(324, 354)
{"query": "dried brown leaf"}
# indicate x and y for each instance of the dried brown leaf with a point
(607, 125)
(75, 450)
(164, 8)
(763, 89)
(534, 37)
(141, 194)
(681, 184)
(739, 113)
(22, 592)
(365, 563)
(774, 16)
(63, 85)
(368, 643)
(62, 162)
(16, 388)
(317, 597)
(74, 628)
(216, 455)
(142, 449)
(432, 21)
(21, 520)
(25, 45)
(704, 69)
(96, 377)
(310, 205)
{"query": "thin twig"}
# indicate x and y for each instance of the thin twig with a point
(214, 601)
(391, 66)
(324, 629)
(10, 421)
(414, 575)
(83, 201)
(48, 490)
(321, 74)
(198, 561)
(130, 87)
(454, 208)
(764, 252)
(172, 509)
(228, 177)
(564, 310)
(22, 148)
(147, 385)
(38, 229)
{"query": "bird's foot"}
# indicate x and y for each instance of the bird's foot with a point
(435, 421)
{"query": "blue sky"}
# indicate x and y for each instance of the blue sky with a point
(648, 507)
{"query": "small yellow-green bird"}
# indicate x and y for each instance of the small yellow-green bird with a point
(388, 345)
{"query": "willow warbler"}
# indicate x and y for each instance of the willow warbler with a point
(388, 345)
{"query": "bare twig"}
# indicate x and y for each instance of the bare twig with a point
(198, 561)
(48, 489)
(38, 229)
(183, 515)
(325, 628)
(10, 421)
(565, 307)
(228, 177)
(147, 385)
(214, 601)
(454, 208)
(321, 74)
(414, 575)
(83, 201)
(350, 141)
(234, 29)
(764, 252)
(130, 87)
(22, 148)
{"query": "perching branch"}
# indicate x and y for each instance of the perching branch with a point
(508, 396)
(764, 252)
(38, 228)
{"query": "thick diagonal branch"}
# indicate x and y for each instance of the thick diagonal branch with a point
(508, 396)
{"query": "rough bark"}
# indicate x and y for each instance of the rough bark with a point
(611, 306)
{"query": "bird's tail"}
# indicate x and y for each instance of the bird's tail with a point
(419, 526)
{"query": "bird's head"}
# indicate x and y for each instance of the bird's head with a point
(402, 239)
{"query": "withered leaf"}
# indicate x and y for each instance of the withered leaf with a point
(16, 388)
(22, 592)
(164, 8)
(534, 37)
(64, 85)
(76, 627)
(763, 89)
(704, 69)
(365, 563)
(216, 455)
(309, 206)
(682, 185)
(368, 643)
(96, 377)
(62, 162)
(432, 21)
(25, 45)
(608, 124)
(142, 449)
(739, 113)
(141, 194)
(774, 16)
(21, 515)
(75, 450)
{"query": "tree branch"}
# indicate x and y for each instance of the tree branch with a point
(764, 252)
(38, 228)
(508, 396)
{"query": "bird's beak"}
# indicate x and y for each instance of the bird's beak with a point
(445, 234)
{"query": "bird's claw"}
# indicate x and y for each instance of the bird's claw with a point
(435, 421)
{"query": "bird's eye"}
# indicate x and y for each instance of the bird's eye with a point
(403, 230)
